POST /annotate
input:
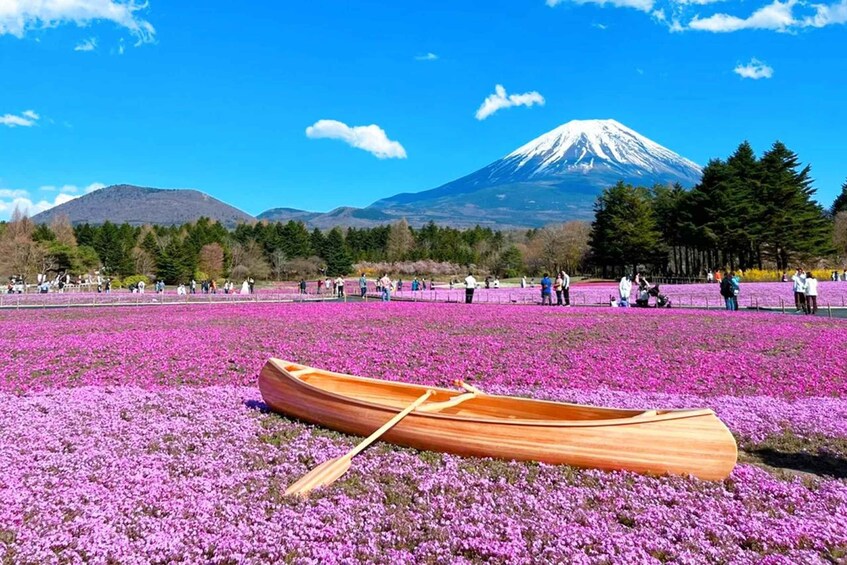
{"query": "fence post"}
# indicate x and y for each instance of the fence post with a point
(829, 309)
(782, 305)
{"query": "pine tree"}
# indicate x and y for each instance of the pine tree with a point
(840, 204)
(624, 232)
(791, 223)
(338, 260)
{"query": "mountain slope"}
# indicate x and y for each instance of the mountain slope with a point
(138, 205)
(555, 177)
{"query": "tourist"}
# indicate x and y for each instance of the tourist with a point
(811, 292)
(363, 285)
(798, 282)
(339, 286)
(496, 282)
(566, 288)
(470, 286)
(557, 286)
(710, 276)
(523, 282)
(385, 286)
(642, 299)
(727, 292)
(328, 286)
(735, 284)
(193, 286)
(245, 287)
(140, 286)
(400, 285)
(718, 276)
(213, 286)
(250, 284)
(625, 289)
(546, 290)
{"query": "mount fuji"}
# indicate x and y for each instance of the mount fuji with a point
(553, 178)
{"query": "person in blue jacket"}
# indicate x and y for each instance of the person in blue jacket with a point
(546, 290)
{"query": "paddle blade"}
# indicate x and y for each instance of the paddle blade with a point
(324, 474)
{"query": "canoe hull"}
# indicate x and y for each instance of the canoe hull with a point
(699, 444)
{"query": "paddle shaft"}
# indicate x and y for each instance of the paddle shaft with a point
(329, 471)
(469, 388)
(387, 426)
(455, 401)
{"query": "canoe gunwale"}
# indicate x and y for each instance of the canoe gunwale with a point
(634, 420)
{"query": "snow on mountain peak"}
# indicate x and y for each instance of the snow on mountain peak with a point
(584, 145)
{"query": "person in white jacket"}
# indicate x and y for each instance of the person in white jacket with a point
(625, 288)
(811, 293)
(799, 284)
(470, 286)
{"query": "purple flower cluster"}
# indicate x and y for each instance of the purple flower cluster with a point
(137, 435)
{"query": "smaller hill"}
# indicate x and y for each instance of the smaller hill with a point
(137, 206)
(345, 216)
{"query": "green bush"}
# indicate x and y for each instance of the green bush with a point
(131, 280)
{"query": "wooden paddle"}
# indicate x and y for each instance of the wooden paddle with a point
(467, 387)
(329, 471)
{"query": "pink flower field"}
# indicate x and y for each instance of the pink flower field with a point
(137, 435)
(701, 295)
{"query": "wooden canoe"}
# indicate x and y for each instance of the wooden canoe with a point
(693, 442)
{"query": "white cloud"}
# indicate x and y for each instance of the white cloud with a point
(500, 99)
(89, 44)
(827, 14)
(777, 16)
(600, 26)
(371, 138)
(17, 17)
(32, 205)
(427, 57)
(25, 119)
(755, 70)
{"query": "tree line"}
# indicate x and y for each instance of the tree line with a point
(205, 249)
(746, 212)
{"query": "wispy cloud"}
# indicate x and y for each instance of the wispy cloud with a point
(427, 57)
(773, 15)
(89, 44)
(755, 70)
(25, 119)
(32, 204)
(642, 5)
(17, 17)
(500, 99)
(827, 14)
(600, 26)
(372, 138)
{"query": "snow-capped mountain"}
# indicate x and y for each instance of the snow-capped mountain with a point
(586, 146)
(555, 177)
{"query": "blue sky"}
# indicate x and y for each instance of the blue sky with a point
(218, 95)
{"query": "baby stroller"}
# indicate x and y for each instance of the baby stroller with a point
(662, 301)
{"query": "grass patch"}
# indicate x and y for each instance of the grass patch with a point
(790, 455)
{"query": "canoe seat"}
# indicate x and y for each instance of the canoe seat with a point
(646, 414)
